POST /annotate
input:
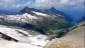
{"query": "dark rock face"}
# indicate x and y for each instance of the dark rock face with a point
(4, 36)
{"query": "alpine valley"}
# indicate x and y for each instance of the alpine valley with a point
(33, 28)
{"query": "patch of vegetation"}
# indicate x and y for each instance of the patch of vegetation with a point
(56, 32)
(51, 26)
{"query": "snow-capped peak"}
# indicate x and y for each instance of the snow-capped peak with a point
(29, 16)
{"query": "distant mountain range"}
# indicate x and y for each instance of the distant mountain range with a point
(51, 11)
(81, 19)
(37, 19)
(6, 12)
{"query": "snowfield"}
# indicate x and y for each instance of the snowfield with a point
(25, 39)
(22, 18)
(39, 13)
(26, 18)
(11, 44)
(25, 15)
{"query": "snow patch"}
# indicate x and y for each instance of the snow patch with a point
(29, 16)
(38, 13)
(11, 44)
(38, 40)
(24, 16)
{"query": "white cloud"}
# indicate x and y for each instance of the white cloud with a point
(9, 1)
(20, 5)
(42, 3)
(64, 1)
(58, 3)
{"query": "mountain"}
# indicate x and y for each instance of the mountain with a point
(57, 12)
(6, 12)
(28, 10)
(35, 19)
(81, 19)
(30, 26)
(67, 17)
(51, 11)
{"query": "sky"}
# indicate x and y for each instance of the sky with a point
(41, 3)
(71, 7)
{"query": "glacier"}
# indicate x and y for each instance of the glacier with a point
(28, 41)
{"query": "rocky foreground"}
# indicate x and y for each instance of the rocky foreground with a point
(73, 39)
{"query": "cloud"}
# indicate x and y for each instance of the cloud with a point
(24, 5)
(44, 3)
(58, 3)
(7, 3)
(41, 3)
(8, 0)
(64, 1)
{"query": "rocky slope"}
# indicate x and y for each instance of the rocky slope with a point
(73, 39)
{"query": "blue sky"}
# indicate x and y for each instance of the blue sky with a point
(68, 6)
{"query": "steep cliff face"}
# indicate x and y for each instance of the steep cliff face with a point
(73, 39)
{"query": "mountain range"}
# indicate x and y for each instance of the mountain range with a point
(50, 11)
(37, 19)
(34, 27)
